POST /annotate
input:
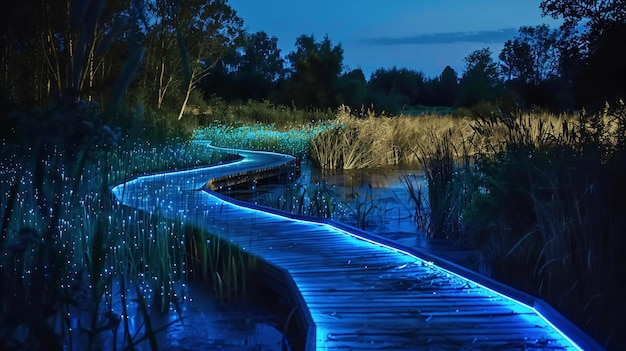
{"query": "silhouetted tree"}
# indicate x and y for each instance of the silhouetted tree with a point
(480, 81)
(594, 47)
(186, 40)
(206, 31)
(444, 88)
(391, 90)
(224, 80)
(252, 71)
(65, 50)
(261, 66)
(403, 81)
(532, 56)
(352, 89)
(603, 77)
(315, 70)
(516, 60)
(530, 65)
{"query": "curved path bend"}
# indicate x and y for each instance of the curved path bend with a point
(363, 292)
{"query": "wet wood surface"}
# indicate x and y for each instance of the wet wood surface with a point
(360, 295)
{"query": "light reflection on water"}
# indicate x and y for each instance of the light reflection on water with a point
(207, 325)
(380, 188)
(394, 214)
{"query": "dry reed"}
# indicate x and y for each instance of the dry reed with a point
(365, 140)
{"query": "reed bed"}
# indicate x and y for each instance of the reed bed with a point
(220, 264)
(365, 140)
(315, 200)
(535, 197)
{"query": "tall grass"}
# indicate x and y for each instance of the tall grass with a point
(541, 201)
(448, 174)
(315, 200)
(68, 254)
(361, 139)
(413, 187)
(365, 140)
(294, 141)
(264, 113)
(220, 264)
(320, 200)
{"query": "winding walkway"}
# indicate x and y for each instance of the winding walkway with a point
(362, 292)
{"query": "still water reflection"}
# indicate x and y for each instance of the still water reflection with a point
(374, 199)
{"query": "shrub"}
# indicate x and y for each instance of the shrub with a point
(547, 214)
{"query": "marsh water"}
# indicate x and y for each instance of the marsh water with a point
(207, 325)
(200, 323)
(376, 200)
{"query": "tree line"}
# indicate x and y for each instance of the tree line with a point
(555, 69)
(577, 65)
(167, 55)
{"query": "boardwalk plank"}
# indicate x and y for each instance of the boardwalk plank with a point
(361, 295)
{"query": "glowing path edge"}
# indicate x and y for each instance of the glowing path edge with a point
(249, 161)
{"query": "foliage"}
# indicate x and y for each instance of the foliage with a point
(315, 71)
(531, 65)
(205, 31)
(187, 51)
(540, 204)
(594, 42)
(365, 207)
(252, 71)
(445, 88)
(603, 76)
(315, 200)
(263, 112)
(352, 89)
(532, 56)
(399, 86)
(438, 159)
(320, 200)
(411, 183)
(480, 81)
(66, 50)
(220, 264)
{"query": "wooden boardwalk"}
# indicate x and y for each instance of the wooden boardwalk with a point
(361, 291)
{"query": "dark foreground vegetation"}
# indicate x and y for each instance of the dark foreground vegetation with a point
(74, 265)
(541, 207)
(93, 92)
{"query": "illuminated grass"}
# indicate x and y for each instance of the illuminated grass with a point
(67, 253)
(295, 141)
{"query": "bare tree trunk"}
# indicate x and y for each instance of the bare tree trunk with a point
(163, 86)
(190, 87)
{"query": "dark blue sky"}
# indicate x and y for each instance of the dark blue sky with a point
(423, 35)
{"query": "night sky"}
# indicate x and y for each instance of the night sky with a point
(424, 35)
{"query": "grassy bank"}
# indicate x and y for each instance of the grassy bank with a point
(295, 140)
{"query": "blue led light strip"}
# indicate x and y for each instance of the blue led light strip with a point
(253, 162)
(332, 226)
